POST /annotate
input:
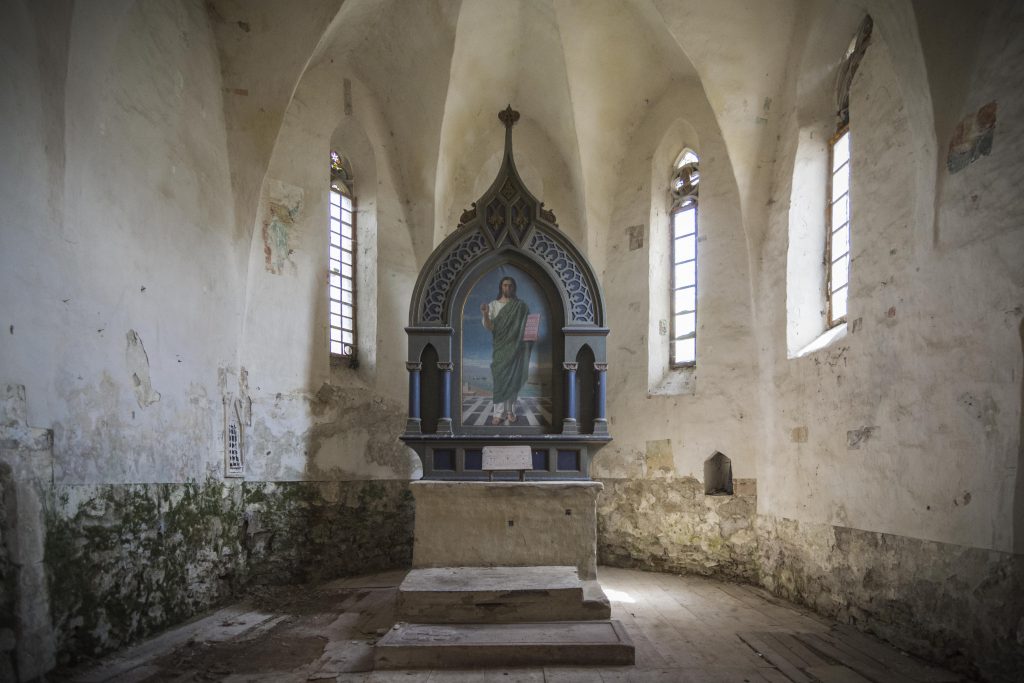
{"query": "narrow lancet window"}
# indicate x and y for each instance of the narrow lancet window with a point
(838, 242)
(839, 225)
(683, 290)
(341, 259)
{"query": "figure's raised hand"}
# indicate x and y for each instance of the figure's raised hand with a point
(483, 309)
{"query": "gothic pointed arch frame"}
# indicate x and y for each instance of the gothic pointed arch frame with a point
(507, 227)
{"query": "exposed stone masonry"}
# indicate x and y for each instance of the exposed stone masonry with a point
(670, 525)
(8, 585)
(125, 561)
(949, 603)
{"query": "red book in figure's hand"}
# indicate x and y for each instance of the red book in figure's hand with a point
(532, 329)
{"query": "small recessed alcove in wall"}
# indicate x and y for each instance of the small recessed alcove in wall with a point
(718, 475)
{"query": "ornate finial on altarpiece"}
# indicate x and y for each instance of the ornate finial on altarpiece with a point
(508, 116)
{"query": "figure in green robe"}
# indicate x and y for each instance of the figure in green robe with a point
(505, 317)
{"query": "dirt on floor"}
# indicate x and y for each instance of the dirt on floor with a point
(307, 632)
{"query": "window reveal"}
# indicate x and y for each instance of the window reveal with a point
(837, 243)
(341, 260)
(683, 289)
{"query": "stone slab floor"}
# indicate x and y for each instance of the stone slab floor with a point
(685, 628)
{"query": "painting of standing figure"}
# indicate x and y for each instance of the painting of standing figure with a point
(506, 352)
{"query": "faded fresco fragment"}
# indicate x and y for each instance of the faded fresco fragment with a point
(284, 207)
(972, 138)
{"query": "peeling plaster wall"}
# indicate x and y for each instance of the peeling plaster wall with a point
(699, 411)
(33, 62)
(313, 420)
(404, 51)
(123, 291)
(874, 431)
(147, 288)
(890, 474)
(666, 423)
(164, 181)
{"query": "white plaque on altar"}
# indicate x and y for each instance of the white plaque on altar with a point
(507, 458)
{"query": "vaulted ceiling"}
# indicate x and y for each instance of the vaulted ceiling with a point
(583, 74)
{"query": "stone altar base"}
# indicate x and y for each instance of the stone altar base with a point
(504, 574)
(506, 524)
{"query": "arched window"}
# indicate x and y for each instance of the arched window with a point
(683, 236)
(837, 238)
(341, 260)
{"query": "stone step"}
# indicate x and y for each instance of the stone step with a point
(471, 595)
(456, 646)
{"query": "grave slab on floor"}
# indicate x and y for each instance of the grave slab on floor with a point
(445, 646)
(470, 595)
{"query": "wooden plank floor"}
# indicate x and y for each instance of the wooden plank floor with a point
(685, 629)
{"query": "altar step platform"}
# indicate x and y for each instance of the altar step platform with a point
(488, 595)
(455, 617)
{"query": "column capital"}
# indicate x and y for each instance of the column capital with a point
(570, 366)
(445, 367)
(601, 367)
(414, 367)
